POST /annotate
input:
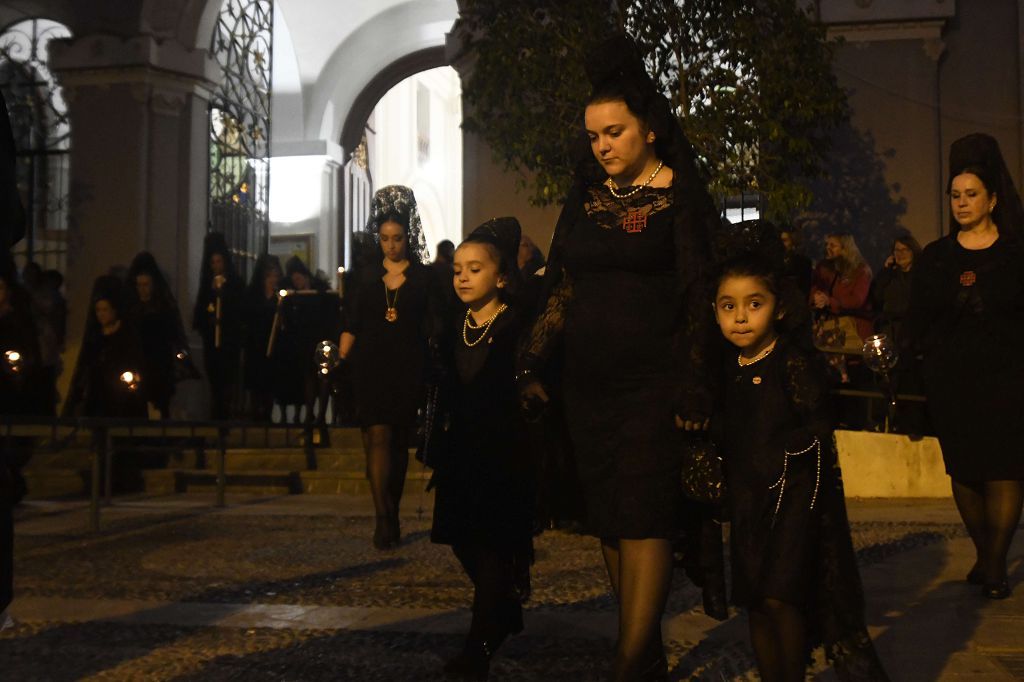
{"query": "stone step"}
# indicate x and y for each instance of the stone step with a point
(292, 459)
(270, 482)
(254, 437)
(56, 483)
(45, 460)
(354, 483)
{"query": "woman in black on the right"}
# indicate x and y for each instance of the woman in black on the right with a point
(967, 318)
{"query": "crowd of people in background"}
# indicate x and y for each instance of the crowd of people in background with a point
(262, 357)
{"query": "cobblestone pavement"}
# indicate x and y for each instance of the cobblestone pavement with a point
(194, 557)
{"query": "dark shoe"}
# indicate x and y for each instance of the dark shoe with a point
(975, 576)
(715, 602)
(473, 663)
(999, 590)
(657, 671)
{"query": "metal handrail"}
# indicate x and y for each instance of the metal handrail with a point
(103, 431)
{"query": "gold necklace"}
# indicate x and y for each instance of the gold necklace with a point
(614, 189)
(486, 326)
(757, 358)
(391, 314)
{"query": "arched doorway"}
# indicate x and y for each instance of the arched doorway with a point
(358, 183)
(417, 141)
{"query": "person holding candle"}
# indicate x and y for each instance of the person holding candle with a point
(217, 318)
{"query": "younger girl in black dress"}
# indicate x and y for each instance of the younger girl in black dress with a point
(484, 502)
(792, 558)
(391, 319)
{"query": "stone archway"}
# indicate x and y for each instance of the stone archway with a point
(395, 73)
(356, 186)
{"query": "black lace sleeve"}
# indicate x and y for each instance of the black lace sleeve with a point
(697, 339)
(545, 333)
(547, 328)
(808, 392)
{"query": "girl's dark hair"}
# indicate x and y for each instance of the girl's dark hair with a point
(641, 100)
(400, 218)
(508, 266)
(795, 323)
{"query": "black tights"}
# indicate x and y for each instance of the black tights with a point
(496, 608)
(991, 512)
(640, 572)
(387, 459)
(778, 636)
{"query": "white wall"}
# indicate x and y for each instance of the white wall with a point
(394, 156)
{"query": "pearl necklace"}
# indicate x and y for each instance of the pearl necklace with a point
(614, 189)
(486, 326)
(757, 358)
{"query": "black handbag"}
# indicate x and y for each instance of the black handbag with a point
(702, 478)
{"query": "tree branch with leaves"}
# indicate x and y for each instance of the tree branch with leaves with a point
(751, 83)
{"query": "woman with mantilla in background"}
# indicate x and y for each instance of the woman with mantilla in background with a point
(967, 319)
(217, 318)
(626, 298)
(390, 321)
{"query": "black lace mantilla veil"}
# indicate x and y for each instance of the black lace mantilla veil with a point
(399, 199)
(694, 221)
(980, 152)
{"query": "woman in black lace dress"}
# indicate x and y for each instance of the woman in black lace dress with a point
(626, 302)
(390, 322)
(967, 318)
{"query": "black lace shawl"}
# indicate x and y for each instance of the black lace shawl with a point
(694, 220)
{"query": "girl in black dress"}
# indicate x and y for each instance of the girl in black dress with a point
(484, 478)
(793, 564)
(391, 319)
(153, 312)
(967, 319)
(217, 318)
(626, 303)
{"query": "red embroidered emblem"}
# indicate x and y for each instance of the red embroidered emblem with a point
(968, 278)
(634, 222)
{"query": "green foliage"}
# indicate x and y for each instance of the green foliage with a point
(751, 83)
